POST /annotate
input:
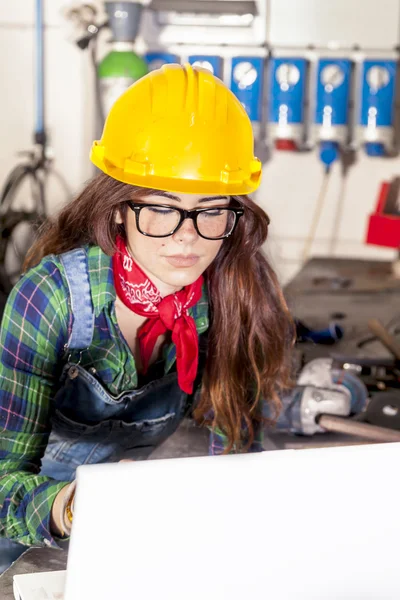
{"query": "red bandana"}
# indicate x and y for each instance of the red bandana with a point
(139, 294)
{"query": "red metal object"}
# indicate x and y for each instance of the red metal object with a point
(286, 145)
(383, 228)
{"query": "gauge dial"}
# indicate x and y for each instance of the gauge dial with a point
(377, 77)
(287, 75)
(332, 76)
(203, 64)
(245, 74)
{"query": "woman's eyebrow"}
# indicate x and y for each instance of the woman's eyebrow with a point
(173, 197)
(214, 198)
(164, 195)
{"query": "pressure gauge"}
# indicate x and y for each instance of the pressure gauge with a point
(377, 77)
(287, 75)
(332, 76)
(204, 64)
(245, 74)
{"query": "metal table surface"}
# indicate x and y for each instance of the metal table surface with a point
(356, 288)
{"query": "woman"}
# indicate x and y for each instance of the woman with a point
(146, 300)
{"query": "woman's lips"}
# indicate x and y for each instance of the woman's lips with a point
(182, 261)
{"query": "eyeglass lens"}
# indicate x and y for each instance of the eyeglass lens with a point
(213, 223)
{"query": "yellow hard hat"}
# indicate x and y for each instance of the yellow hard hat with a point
(179, 129)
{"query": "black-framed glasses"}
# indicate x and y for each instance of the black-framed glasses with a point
(162, 220)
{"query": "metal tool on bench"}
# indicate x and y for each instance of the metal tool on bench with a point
(328, 336)
(383, 409)
(376, 373)
(357, 429)
(330, 399)
(321, 389)
(380, 375)
(384, 336)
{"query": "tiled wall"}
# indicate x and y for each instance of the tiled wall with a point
(291, 182)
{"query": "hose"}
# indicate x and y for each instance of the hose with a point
(12, 182)
(338, 215)
(317, 215)
(99, 107)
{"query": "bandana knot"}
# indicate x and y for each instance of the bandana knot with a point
(170, 313)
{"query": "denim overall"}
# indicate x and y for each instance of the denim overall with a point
(88, 424)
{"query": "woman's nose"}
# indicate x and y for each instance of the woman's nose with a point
(186, 232)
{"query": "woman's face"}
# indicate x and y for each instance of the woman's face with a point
(178, 260)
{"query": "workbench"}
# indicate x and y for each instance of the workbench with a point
(324, 289)
(349, 292)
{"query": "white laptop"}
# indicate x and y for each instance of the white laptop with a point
(285, 525)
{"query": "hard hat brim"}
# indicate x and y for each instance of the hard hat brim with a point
(190, 185)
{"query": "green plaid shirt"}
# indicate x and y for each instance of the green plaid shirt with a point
(36, 326)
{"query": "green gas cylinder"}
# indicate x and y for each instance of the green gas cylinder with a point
(117, 71)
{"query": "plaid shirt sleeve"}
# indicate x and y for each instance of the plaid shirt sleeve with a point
(218, 442)
(32, 338)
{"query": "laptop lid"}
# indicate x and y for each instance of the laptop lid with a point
(312, 524)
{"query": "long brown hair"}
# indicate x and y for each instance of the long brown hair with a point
(251, 331)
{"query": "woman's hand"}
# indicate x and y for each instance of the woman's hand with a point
(61, 511)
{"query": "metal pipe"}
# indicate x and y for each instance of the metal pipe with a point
(40, 102)
(378, 329)
(365, 430)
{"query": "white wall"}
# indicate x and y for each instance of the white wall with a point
(68, 90)
(289, 191)
(367, 23)
(291, 182)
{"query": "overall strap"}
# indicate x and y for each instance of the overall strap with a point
(76, 271)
